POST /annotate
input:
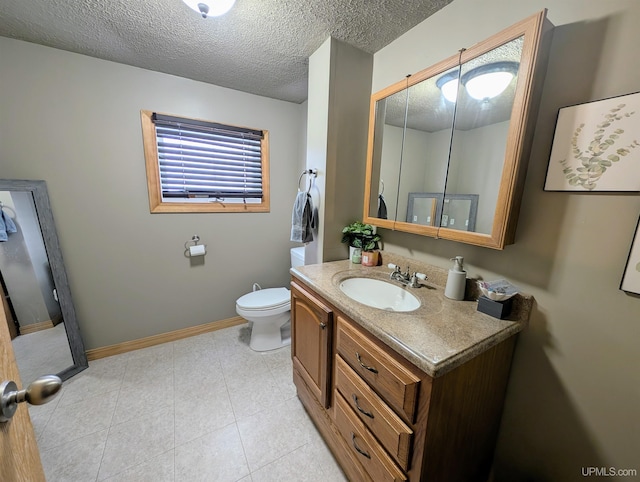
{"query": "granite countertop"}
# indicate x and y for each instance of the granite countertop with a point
(437, 337)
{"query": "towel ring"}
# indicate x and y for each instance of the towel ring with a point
(309, 172)
(382, 191)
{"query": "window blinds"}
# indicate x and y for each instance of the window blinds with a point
(208, 160)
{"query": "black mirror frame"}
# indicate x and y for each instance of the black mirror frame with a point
(50, 237)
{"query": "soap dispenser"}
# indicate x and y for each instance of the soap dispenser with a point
(457, 280)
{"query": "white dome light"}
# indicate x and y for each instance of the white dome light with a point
(484, 82)
(210, 8)
(488, 86)
(448, 84)
(450, 90)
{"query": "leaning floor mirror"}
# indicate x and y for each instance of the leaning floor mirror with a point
(35, 292)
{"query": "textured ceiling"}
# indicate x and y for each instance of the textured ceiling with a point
(428, 110)
(260, 46)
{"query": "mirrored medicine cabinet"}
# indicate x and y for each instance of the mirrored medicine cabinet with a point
(448, 146)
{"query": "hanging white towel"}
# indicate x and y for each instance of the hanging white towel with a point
(6, 226)
(302, 219)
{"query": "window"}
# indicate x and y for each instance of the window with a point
(197, 166)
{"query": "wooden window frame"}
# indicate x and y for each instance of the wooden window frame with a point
(156, 203)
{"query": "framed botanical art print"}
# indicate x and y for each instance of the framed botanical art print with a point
(596, 147)
(631, 278)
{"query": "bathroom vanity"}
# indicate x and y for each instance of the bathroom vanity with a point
(414, 395)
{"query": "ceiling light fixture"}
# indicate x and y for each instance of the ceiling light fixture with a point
(210, 8)
(448, 84)
(483, 82)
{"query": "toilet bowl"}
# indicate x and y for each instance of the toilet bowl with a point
(269, 310)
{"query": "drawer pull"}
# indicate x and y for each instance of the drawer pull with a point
(371, 369)
(360, 409)
(360, 451)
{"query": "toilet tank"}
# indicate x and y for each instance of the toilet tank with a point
(297, 256)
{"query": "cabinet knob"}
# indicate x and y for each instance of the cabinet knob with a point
(323, 326)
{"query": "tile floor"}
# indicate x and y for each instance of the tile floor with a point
(205, 408)
(45, 351)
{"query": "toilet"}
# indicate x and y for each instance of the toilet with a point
(269, 310)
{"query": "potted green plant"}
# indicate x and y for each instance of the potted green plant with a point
(361, 237)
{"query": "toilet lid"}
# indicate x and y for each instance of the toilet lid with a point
(262, 299)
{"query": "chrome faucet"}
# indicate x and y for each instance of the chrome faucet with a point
(398, 275)
(406, 278)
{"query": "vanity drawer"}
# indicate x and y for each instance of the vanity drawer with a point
(388, 428)
(364, 446)
(396, 382)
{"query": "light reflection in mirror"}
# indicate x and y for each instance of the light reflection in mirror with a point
(480, 138)
(457, 211)
(387, 153)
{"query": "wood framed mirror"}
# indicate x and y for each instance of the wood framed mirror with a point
(454, 138)
(36, 294)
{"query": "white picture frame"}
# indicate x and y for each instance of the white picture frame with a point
(596, 147)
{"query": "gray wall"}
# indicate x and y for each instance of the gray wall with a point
(573, 397)
(338, 109)
(74, 121)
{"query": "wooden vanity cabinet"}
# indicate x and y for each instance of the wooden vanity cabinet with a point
(383, 418)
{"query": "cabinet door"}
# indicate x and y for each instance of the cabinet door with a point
(386, 134)
(311, 328)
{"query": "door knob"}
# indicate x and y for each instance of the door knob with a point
(39, 392)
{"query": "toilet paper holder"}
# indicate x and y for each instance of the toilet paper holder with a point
(192, 248)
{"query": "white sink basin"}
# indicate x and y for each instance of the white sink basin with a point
(379, 294)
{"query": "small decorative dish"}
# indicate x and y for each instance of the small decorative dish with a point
(499, 290)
